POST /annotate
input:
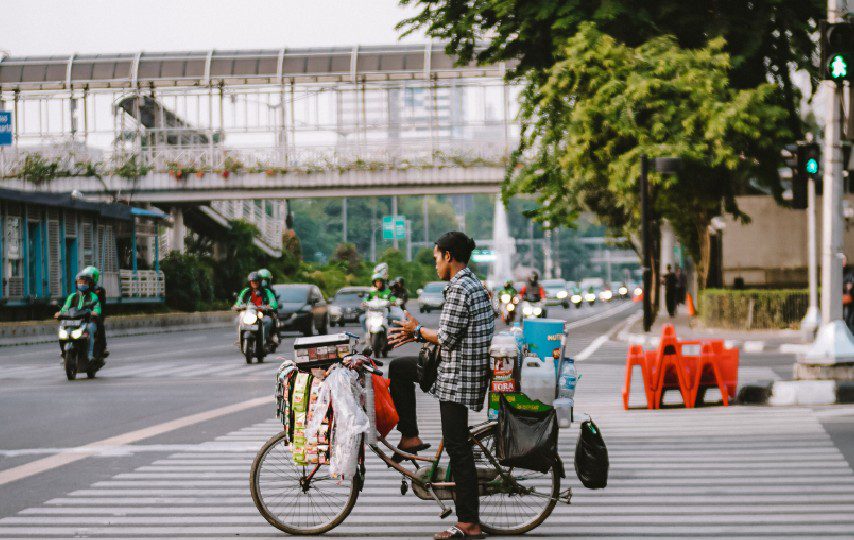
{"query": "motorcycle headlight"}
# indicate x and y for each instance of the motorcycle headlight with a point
(605, 295)
(590, 297)
(505, 298)
(538, 310)
(63, 333)
(76, 333)
(623, 290)
(527, 310)
(562, 294)
(511, 307)
(576, 298)
(249, 317)
(638, 291)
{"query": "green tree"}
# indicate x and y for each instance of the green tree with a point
(189, 281)
(766, 39)
(348, 255)
(607, 104)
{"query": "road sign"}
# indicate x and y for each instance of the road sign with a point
(483, 255)
(5, 128)
(394, 228)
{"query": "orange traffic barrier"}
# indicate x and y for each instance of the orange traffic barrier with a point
(689, 302)
(674, 366)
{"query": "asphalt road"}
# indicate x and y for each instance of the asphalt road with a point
(128, 454)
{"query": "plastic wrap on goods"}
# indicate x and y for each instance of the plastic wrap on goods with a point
(342, 391)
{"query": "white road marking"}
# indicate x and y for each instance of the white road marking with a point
(590, 349)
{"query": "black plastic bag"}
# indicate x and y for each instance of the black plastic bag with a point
(526, 439)
(591, 456)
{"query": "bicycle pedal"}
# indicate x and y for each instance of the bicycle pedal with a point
(404, 487)
(445, 513)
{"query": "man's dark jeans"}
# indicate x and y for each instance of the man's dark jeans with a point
(455, 430)
(403, 373)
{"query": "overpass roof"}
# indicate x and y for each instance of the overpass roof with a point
(237, 67)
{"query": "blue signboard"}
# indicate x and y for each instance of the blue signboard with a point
(5, 128)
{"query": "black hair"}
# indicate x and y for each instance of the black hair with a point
(457, 244)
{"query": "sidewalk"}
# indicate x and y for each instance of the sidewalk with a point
(31, 332)
(782, 341)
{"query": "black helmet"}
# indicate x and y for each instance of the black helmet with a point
(535, 276)
(399, 280)
(254, 276)
(508, 283)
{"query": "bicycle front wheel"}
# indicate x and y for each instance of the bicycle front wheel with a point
(518, 507)
(294, 500)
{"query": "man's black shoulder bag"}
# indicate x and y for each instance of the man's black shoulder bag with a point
(428, 366)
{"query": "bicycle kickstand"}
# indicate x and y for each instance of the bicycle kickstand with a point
(445, 510)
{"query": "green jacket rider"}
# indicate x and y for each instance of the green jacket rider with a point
(508, 289)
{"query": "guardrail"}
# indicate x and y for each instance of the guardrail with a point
(142, 283)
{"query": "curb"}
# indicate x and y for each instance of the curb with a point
(797, 393)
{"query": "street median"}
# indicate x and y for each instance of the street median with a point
(27, 332)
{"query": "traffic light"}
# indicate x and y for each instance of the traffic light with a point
(808, 165)
(836, 48)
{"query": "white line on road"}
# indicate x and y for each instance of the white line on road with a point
(599, 316)
(63, 458)
(590, 349)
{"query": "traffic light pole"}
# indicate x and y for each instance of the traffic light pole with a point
(812, 319)
(834, 344)
(645, 246)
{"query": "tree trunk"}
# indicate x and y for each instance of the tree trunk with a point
(705, 245)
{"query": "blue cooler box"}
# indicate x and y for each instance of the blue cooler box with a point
(544, 337)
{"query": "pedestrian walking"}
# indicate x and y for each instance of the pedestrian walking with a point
(681, 285)
(670, 291)
(465, 330)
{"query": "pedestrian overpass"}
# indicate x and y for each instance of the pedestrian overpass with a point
(179, 129)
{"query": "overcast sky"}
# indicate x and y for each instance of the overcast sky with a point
(30, 27)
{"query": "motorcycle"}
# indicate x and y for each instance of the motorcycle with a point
(576, 298)
(250, 331)
(507, 307)
(623, 291)
(590, 297)
(376, 323)
(74, 341)
(533, 310)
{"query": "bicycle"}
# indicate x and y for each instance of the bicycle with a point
(302, 500)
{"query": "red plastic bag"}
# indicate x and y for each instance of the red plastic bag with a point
(387, 416)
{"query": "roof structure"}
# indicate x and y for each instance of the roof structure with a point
(241, 67)
(68, 201)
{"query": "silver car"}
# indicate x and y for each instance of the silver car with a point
(432, 296)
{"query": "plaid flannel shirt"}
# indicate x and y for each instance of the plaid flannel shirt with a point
(465, 331)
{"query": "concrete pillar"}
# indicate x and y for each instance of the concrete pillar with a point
(668, 241)
(176, 239)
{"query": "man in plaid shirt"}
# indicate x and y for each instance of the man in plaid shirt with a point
(465, 330)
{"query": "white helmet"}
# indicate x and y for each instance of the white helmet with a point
(380, 272)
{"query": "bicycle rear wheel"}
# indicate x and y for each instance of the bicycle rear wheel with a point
(292, 502)
(513, 509)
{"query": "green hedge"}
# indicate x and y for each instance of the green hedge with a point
(727, 308)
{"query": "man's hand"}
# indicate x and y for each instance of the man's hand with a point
(56, 315)
(404, 332)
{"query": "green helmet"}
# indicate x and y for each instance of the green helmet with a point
(266, 277)
(93, 273)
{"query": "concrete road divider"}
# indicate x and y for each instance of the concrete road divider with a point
(28, 332)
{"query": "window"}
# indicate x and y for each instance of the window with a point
(14, 248)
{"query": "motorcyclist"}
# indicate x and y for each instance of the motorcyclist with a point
(398, 289)
(532, 291)
(508, 289)
(258, 295)
(381, 290)
(100, 330)
(267, 283)
(83, 297)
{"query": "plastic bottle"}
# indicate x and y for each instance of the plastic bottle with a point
(567, 379)
(563, 409)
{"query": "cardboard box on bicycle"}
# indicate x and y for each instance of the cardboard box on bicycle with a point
(320, 351)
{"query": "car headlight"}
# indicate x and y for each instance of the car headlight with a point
(249, 317)
(562, 294)
(638, 291)
(538, 310)
(63, 333)
(623, 290)
(505, 298)
(76, 333)
(527, 310)
(511, 307)
(576, 298)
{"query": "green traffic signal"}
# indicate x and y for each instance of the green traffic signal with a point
(838, 67)
(812, 165)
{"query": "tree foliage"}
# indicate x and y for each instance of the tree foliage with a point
(598, 111)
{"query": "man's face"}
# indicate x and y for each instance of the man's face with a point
(254, 284)
(443, 263)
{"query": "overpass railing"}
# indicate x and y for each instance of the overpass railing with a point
(45, 163)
